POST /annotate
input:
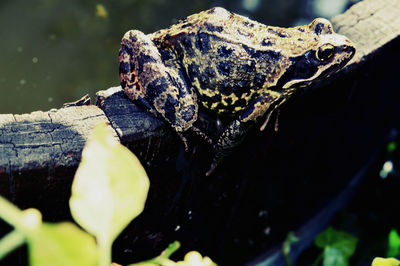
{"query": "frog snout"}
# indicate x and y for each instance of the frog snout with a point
(348, 48)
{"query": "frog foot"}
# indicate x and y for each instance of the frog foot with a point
(202, 135)
(214, 165)
(198, 132)
(184, 140)
(276, 125)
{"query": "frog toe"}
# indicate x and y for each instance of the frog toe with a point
(184, 140)
(203, 135)
(213, 166)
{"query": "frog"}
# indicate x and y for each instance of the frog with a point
(229, 65)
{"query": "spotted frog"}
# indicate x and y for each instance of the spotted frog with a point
(229, 65)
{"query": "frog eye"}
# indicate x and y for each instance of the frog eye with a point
(325, 52)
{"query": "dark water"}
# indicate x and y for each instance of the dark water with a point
(55, 51)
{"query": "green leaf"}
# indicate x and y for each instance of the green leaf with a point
(391, 146)
(61, 244)
(338, 246)
(11, 241)
(110, 186)
(163, 258)
(394, 244)
(291, 238)
(171, 249)
(334, 257)
(385, 262)
(192, 258)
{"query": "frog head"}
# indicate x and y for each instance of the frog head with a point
(320, 53)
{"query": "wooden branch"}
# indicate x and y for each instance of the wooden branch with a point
(45, 139)
(36, 147)
(331, 131)
(371, 25)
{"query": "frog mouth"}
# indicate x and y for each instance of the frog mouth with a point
(305, 72)
(319, 73)
(298, 75)
(311, 76)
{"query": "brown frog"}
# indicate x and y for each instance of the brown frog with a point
(229, 65)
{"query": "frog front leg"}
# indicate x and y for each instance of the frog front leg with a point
(158, 89)
(234, 134)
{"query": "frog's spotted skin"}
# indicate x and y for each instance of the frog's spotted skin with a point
(228, 64)
(156, 87)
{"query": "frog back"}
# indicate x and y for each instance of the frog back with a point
(228, 59)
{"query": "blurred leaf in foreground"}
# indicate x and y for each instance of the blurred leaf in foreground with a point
(385, 262)
(338, 246)
(110, 187)
(62, 244)
(394, 244)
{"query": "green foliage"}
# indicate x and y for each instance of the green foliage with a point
(391, 146)
(290, 239)
(109, 190)
(393, 244)
(109, 176)
(62, 244)
(337, 247)
(385, 262)
(48, 244)
(192, 258)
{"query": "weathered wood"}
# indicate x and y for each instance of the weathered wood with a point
(326, 135)
(40, 139)
(370, 24)
(36, 148)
